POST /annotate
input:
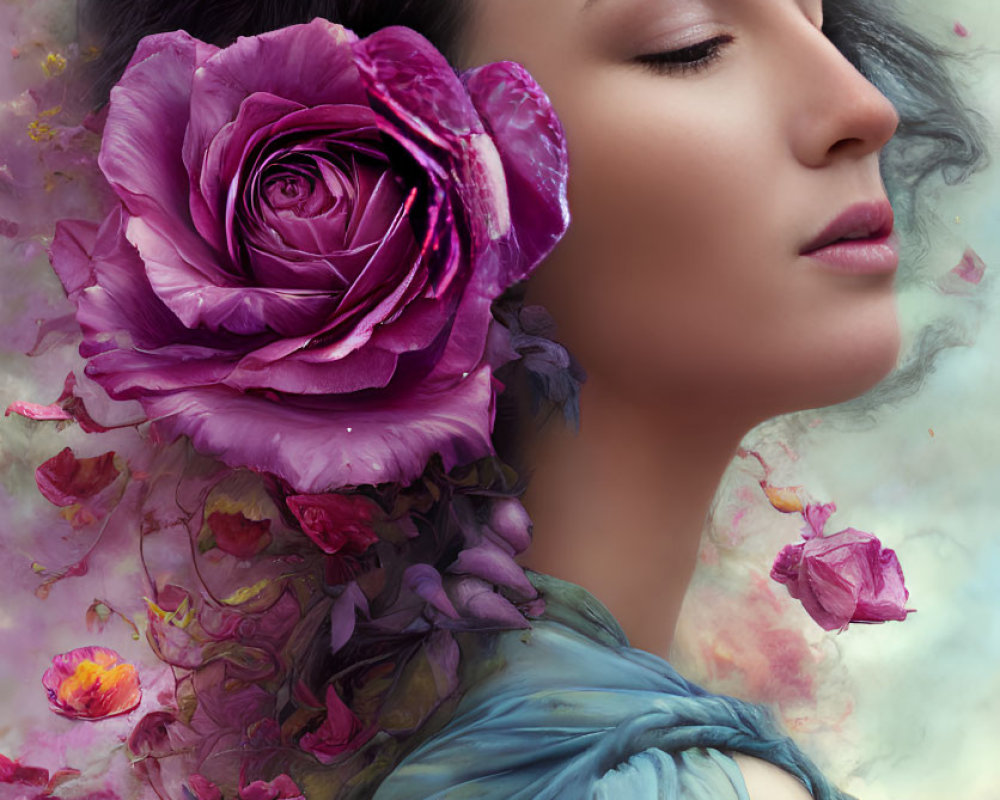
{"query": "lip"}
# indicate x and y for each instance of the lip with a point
(860, 241)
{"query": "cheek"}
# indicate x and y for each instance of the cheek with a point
(667, 226)
(680, 272)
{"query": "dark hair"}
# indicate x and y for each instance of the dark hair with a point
(938, 133)
(118, 25)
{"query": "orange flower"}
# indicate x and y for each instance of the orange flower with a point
(91, 683)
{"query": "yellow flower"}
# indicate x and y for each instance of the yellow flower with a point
(53, 64)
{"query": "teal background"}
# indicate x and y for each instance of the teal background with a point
(901, 710)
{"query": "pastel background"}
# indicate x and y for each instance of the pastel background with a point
(901, 710)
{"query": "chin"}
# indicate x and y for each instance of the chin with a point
(844, 367)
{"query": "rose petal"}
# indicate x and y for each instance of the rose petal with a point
(889, 601)
(100, 309)
(204, 301)
(299, 270)
(238, 535)
(343, 615)
(532, 146)
(203, 789)
(144, 134)
(397, 248)
(308, 64)
(417, 86)
(466, 346)
(476, 599)
(72, 245)
(368, 369)
(491, 563)
(281, 788)
(132, 374)
(425, 582)
(65, 479)
(12, 771)
(36, 411)
(341, 731)
(337, 523)
(365, 441)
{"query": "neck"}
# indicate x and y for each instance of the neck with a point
(619, 508)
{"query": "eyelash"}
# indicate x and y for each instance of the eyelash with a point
(687, 59)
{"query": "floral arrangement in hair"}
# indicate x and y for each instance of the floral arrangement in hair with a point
(310, 233)
(298, 277)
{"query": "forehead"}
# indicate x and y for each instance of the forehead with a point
(499, 30)
(538, 31)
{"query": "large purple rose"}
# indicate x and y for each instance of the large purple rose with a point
(310, 234)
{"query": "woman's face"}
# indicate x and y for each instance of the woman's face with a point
(711, 142)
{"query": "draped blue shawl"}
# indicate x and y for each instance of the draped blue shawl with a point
(567, 710)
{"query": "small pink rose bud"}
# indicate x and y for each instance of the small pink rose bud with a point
(842, 578)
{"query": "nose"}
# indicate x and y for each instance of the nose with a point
(838, 113)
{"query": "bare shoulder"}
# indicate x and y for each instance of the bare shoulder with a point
(765, 781)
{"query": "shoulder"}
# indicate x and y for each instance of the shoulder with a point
(765, 781)
(698, 774)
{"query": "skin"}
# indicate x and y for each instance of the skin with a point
(692, 195)
(680, 285)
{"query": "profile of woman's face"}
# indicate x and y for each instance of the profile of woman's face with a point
(711, 143)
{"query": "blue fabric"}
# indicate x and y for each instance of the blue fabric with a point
(657, 775)
(569, 710)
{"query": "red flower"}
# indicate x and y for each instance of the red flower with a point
(65, 479)
(338, 523)
(13, 771)
(203, 789)
(341, 731)
(281, 788)
(237, 535)
(91, 683)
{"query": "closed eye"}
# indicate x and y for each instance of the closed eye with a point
(686, 59)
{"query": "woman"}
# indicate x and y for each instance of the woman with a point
(682, 121)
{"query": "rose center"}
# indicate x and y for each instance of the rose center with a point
(316, 211)
(306, 190)
(288, 192)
